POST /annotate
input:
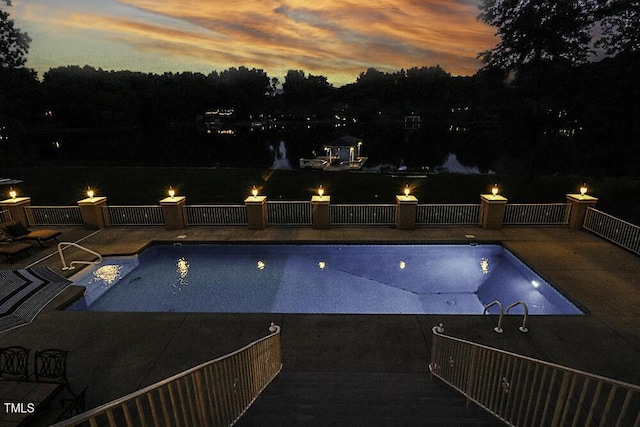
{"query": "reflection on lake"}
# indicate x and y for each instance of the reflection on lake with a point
(389, 145)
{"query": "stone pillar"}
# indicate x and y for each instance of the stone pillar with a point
(92, 213)
(321, 212)
(579, 204)
(492, 211)
(16, 206)
(256, 212)
(406, 207)
(173, 212)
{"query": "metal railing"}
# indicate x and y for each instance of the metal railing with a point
(363, 214)
(288, 213)
(64, 245)
(215, 393)
(53, 215)
(537, 214)
(216, 214)
(523, 391)
(448, 214)
(133, 215)
(5, 216)
(613, 229)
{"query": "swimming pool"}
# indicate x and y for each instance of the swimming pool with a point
(318, 278)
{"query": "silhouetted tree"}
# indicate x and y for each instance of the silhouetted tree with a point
(535, 31)
(14, 44)
(620, 26)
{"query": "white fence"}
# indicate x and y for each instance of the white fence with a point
(448, 214)
(134, 215)
(537, 214)
(5, 216)
(363, 214)
(611, 228)
(53, 215)
(216, 214)
(288, 213)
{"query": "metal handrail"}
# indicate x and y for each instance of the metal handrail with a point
(523, 391)
(498, 328)
(75, 245)
(523, 327)
(215, 393)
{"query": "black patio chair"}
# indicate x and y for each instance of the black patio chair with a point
(14, 363)
(51, 366)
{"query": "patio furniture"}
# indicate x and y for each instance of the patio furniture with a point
(14, 363)
(14, 231)
(12, 249)
(51, 366)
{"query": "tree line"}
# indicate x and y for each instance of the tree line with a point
(539, 99)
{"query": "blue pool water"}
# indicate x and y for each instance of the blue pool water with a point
(336, 278)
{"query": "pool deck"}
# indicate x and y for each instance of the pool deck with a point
(117, 353)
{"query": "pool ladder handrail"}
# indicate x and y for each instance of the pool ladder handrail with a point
(498, 328)
(71, 265)
(523, 327)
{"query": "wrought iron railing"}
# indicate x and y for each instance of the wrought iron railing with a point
(216, 214)
(448, 214)
(363, 214)
(215, 393)
(613, 229)
(288, 213)
(5, 216)
(53, 215)
(133, 215)
(537, 214)
(522, 391)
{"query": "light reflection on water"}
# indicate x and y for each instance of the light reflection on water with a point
(182, 269)
(108, 274)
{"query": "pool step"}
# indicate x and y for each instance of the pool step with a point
(361, 399)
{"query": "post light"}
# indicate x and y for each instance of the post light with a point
(13, 193)
(407, 190)
(359, 145)
(90, 193)
(172, 192)
(320, 191)
(494, 189)
(583, 189)
(254, 191)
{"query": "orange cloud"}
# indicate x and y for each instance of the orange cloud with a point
(335, 38)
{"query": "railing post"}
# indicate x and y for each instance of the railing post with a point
(256, 212)
(16, 207)
(320, 212)
(579, 204)
(173, 212)
(493, 207)
(92, 213)
(406, 207)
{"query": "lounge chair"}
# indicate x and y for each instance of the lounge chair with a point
(12, 249)
(15, 231)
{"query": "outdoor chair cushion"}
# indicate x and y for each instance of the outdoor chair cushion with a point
(13, 249)
(15, 231)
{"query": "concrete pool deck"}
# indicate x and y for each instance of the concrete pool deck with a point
(117, 353)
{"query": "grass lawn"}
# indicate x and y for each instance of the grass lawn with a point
(63, 186)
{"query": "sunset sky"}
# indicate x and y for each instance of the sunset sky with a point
(338, 39)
